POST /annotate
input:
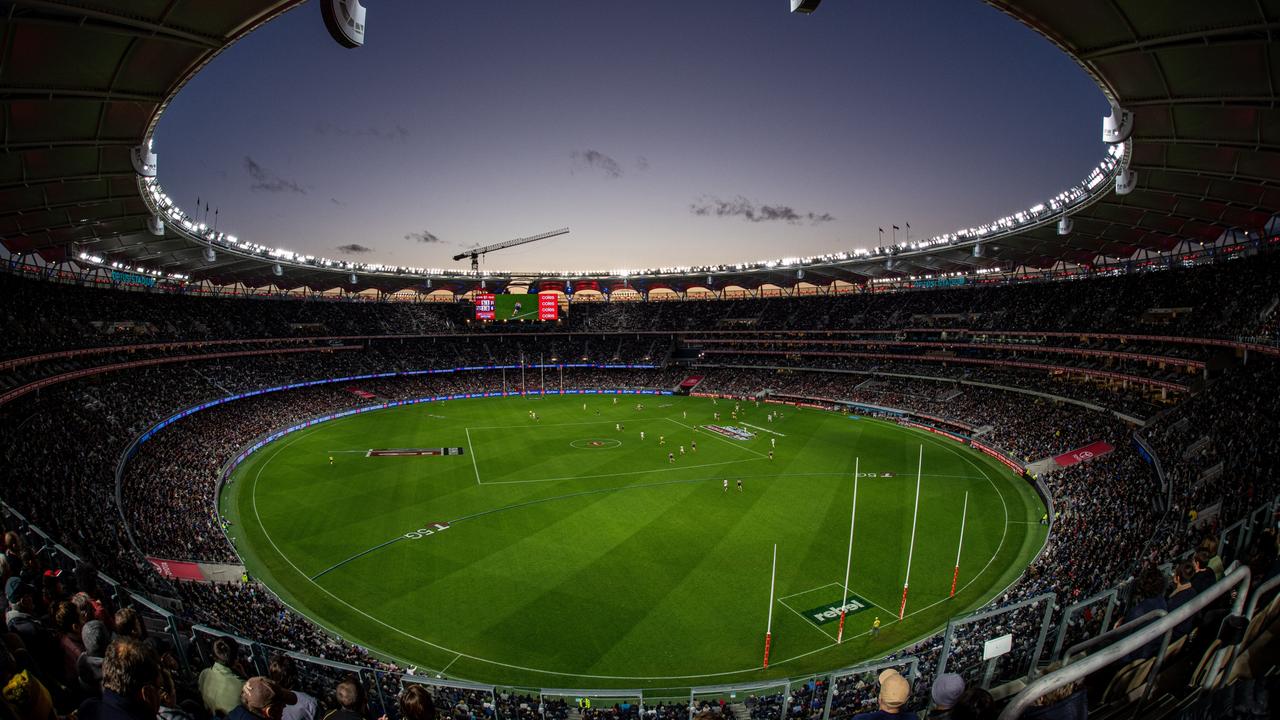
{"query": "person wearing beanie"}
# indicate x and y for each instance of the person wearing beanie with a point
(946, 691)
(95, 637)
(895, 690)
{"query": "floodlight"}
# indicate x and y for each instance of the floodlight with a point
(344, 20)
(1125, 182)
(1118, 126)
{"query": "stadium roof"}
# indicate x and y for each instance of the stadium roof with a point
(84, 85)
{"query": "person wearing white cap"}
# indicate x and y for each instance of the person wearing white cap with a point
(895, 690)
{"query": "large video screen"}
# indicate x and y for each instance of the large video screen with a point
(505, 307)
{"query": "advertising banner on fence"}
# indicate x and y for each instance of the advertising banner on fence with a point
(1079, 455)
(177, 569)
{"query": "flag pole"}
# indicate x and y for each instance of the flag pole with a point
(768, 631)
(915, 514)
(964, 514)
(848, 561)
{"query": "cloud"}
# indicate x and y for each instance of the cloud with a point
(642, 163)
(423, 237)
(398, 133)
(336, 201)
(596, 160)
(710, 206)
(266, 181)
(354, 249)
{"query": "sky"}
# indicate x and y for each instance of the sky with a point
(662, 133)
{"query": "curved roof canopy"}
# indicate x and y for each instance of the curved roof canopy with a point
(83, 87)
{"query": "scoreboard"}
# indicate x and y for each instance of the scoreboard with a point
(484, 306)
(544, 306)
(548, 306)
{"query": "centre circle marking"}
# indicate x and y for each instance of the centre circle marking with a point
(595, 444)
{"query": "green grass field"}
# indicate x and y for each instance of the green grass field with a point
(577, 555)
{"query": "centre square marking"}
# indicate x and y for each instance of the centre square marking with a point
(595, 444)
(830, 612)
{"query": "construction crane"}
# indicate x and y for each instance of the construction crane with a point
(476, 253)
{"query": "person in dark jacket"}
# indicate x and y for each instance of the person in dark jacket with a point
(1148, 595)
(1204, 577)
(351, 700)
(1182, 593)
(416, 703)
(95, 637)
(131, 684)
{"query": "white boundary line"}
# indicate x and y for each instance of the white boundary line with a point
(254, 501)
(618, 474)
(805, 592)
(873, 602)
(771, 432)
(568, 424)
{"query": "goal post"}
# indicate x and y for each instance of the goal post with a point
(848, 561)
(911, 549)
(964, 514)
(768, 629)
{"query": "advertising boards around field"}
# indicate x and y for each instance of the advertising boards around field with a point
(1004, 459)
(413, 452)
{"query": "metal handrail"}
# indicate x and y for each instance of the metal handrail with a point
(1121, 631)
(1237, 580)
(1258, 592)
